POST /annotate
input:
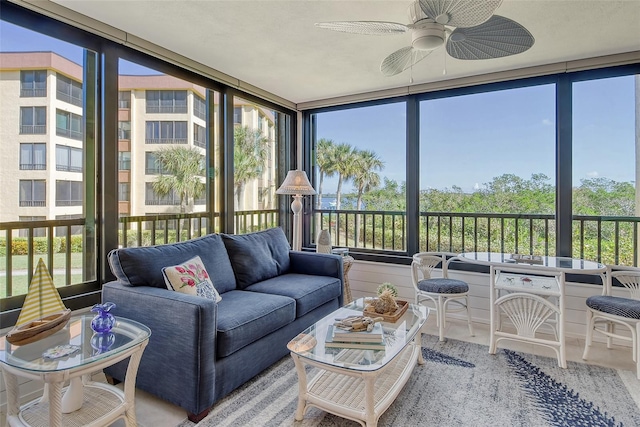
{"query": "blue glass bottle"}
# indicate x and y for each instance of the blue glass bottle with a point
(104, 321)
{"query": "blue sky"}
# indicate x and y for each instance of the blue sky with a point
(466, 140)
(14, 38)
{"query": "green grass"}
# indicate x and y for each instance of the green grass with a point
(20, 278)
(20, 262)
(19, 284)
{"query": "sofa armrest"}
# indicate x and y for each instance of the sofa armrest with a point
(178, 363)
(317, 264)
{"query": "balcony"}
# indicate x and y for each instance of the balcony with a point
(68, 168)
(33, 92)
(33, 203)
(65, 97)
(33, 129)
(33, 166)
(176, 109)
(165, 140)
(68, 133)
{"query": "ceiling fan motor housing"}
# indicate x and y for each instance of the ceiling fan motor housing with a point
(428, 37)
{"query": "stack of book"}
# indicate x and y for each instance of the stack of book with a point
(367, 340)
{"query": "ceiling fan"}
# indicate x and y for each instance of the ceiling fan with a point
(469, 28)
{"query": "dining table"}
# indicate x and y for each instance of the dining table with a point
(555, 263)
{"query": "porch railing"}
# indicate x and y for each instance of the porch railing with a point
(148, 230)
(58, 242)
(256, 220)
(607, 239)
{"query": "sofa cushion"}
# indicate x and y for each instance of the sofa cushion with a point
(309, 292)
(257, 256)
(245, 317)
(191, 278)
(142, 266)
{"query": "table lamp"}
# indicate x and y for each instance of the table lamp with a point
(296, 184)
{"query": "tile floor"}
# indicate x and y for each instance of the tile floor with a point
(153, 412)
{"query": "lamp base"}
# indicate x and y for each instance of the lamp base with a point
(296, 208)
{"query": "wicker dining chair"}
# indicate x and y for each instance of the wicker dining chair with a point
(605, 312)
(440, 291)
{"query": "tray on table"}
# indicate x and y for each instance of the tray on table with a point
(389, 317)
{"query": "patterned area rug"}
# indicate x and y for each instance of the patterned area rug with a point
(460, 384)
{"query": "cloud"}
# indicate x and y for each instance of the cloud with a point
(593, 174)
(476, 186)
(547, 122)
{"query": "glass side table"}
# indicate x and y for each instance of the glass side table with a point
(83, 401)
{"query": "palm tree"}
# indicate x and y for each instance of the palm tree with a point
(345, 165)
(250, 151)
(326, 161)
(185, 169)
(365, 177)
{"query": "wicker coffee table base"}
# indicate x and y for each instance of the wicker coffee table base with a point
(362, 396)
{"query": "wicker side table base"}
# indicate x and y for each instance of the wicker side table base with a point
(347, 262)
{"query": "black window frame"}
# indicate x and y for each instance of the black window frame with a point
(563, 83)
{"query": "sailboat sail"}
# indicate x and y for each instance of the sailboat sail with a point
(42, 298)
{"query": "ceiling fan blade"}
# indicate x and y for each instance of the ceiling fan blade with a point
(402, 59)
(497, 37)
(460, 13)
(374, 28)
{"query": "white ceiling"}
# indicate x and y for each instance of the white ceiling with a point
(275, 46)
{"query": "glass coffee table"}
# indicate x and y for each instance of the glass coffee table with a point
(83, 402)
(352, 383)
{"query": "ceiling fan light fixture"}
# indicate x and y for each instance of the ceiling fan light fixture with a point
(429, 38)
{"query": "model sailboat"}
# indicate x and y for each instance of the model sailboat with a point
(43, 312)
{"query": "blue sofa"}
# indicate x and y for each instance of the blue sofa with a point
(200, 350)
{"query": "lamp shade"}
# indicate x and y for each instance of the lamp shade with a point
(296, 182)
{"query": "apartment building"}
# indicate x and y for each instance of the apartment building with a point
(41, 133)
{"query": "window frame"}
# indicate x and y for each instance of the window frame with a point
(73, 122)
(563, 84)
(33, 201)
(38, 89)
(69, 153)
(31, 164)
(35, 127)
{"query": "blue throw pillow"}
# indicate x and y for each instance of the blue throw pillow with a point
(142, 266)
(257, 256)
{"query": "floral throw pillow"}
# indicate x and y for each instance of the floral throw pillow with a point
(191, 278)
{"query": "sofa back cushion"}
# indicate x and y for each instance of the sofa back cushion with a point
(142, 266)
(257, 256)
